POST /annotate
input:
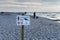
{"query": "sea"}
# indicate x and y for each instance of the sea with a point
(49, 15)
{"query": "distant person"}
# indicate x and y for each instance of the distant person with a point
(34, 14)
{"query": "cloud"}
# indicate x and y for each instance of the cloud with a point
(38, 1)
(51, 0)
(41, 1)
(7, 0)
(32, 0)
(20, 3)
(28, 6)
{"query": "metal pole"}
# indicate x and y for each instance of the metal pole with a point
(22, 32)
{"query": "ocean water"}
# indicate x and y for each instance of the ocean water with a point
(53, 15)
(49, 15)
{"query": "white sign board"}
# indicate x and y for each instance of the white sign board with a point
(23, 20)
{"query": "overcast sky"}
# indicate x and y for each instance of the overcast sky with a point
(46, 1)
(37, 5)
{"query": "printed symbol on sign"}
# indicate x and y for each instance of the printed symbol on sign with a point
(18, 18)
(18, 22)
(25, 18)
(21, 22)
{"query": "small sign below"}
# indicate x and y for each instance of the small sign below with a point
(23, 20)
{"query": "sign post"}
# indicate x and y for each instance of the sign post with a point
(22, 33)
(23, 20)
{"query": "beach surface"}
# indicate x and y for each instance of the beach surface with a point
(39, 29)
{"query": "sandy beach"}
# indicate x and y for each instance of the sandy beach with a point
(39, 29)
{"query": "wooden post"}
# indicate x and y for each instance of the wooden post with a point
(22, 32)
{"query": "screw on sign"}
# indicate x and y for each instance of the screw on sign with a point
(21, 22)
(18, 22)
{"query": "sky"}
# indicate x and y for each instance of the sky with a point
(30, 5)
